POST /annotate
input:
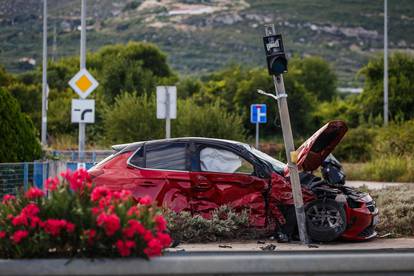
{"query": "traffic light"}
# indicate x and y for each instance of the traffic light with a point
(275, 54)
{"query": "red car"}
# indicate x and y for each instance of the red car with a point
(200, 174)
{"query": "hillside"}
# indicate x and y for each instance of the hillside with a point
(203, 35)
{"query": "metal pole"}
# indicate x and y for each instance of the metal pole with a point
(281, 97)
(44, 78)
(167, 115)
(257, 135)
(82, 66)
(385, 62)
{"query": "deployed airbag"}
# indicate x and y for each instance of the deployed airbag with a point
(217, 160)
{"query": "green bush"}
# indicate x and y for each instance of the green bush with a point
(17, 133)
(396, 139)
(357, 145)
(225, 224)
(132, 118)
(210, 120)
(389, 168)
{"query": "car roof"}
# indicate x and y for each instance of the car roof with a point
(135, 145)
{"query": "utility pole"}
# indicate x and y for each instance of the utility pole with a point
(385, 62)
(291, 155)
(81, 146)
(44, 78)
(167, 114)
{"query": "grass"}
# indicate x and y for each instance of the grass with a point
(385, 168)
(396, 207)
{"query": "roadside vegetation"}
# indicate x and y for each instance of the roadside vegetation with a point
(396, 205)
(216, 104)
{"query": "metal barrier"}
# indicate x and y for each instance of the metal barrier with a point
(17, 176)
(311, 263)
(72, 155)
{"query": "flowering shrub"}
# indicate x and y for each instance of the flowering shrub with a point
(78, 219)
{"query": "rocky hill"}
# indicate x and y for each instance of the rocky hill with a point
(203, 35)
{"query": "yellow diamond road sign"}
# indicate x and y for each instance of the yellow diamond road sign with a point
(83, 83)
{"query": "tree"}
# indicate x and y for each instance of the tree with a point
(17, 133)
(132, 118)
(209, 120)
(235, 89)
(401, 87)
(316, 75)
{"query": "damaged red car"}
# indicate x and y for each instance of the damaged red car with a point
(200, 174)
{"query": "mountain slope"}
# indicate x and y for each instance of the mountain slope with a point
(204, 35)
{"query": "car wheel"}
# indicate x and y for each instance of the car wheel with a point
(325, 219)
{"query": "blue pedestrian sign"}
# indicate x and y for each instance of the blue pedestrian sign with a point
(258, 114)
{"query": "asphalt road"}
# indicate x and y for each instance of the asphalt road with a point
(376, 244)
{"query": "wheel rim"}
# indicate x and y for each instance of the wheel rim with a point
(324, 217)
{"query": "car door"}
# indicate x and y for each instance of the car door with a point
(222, 176)
(162, 172)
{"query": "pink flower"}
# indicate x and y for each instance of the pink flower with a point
(54, 226)
(2, 234)
(7, 198)
(134, 227)
(164, 239)
(146, 200)
(20, 220)
(111, 223)
(161, 223)
(52, 183)
(124, 247)
(70, 227)
(78, 179)
(91, 233)
(96, 210)
(34, 193)
(19, 235)
(31, 210)
(100, 192)
(133, 211)
(123, 195)
(34, 222)
(154, 248)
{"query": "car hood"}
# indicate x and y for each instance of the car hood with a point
(314, 150)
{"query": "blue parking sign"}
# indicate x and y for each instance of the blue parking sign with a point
(258, 113)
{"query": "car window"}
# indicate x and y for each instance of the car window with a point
(171, 156)
(138, 158)
(220, 160)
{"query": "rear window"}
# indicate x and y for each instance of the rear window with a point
(138, 158)
(171, 156)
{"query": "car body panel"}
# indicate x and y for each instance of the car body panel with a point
(315, 149)
(266, 193)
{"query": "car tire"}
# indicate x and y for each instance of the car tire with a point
(325, 220)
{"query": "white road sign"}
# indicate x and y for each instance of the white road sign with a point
(83, 111)
(83, 83)
(166, 102)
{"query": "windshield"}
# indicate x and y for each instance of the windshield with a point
(276, 164)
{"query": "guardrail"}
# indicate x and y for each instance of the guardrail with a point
(73, 155)
(314, 263)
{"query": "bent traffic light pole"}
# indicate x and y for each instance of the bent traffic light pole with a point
(291, 156)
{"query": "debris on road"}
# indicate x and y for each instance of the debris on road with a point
(269, 247)
(224, 246)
